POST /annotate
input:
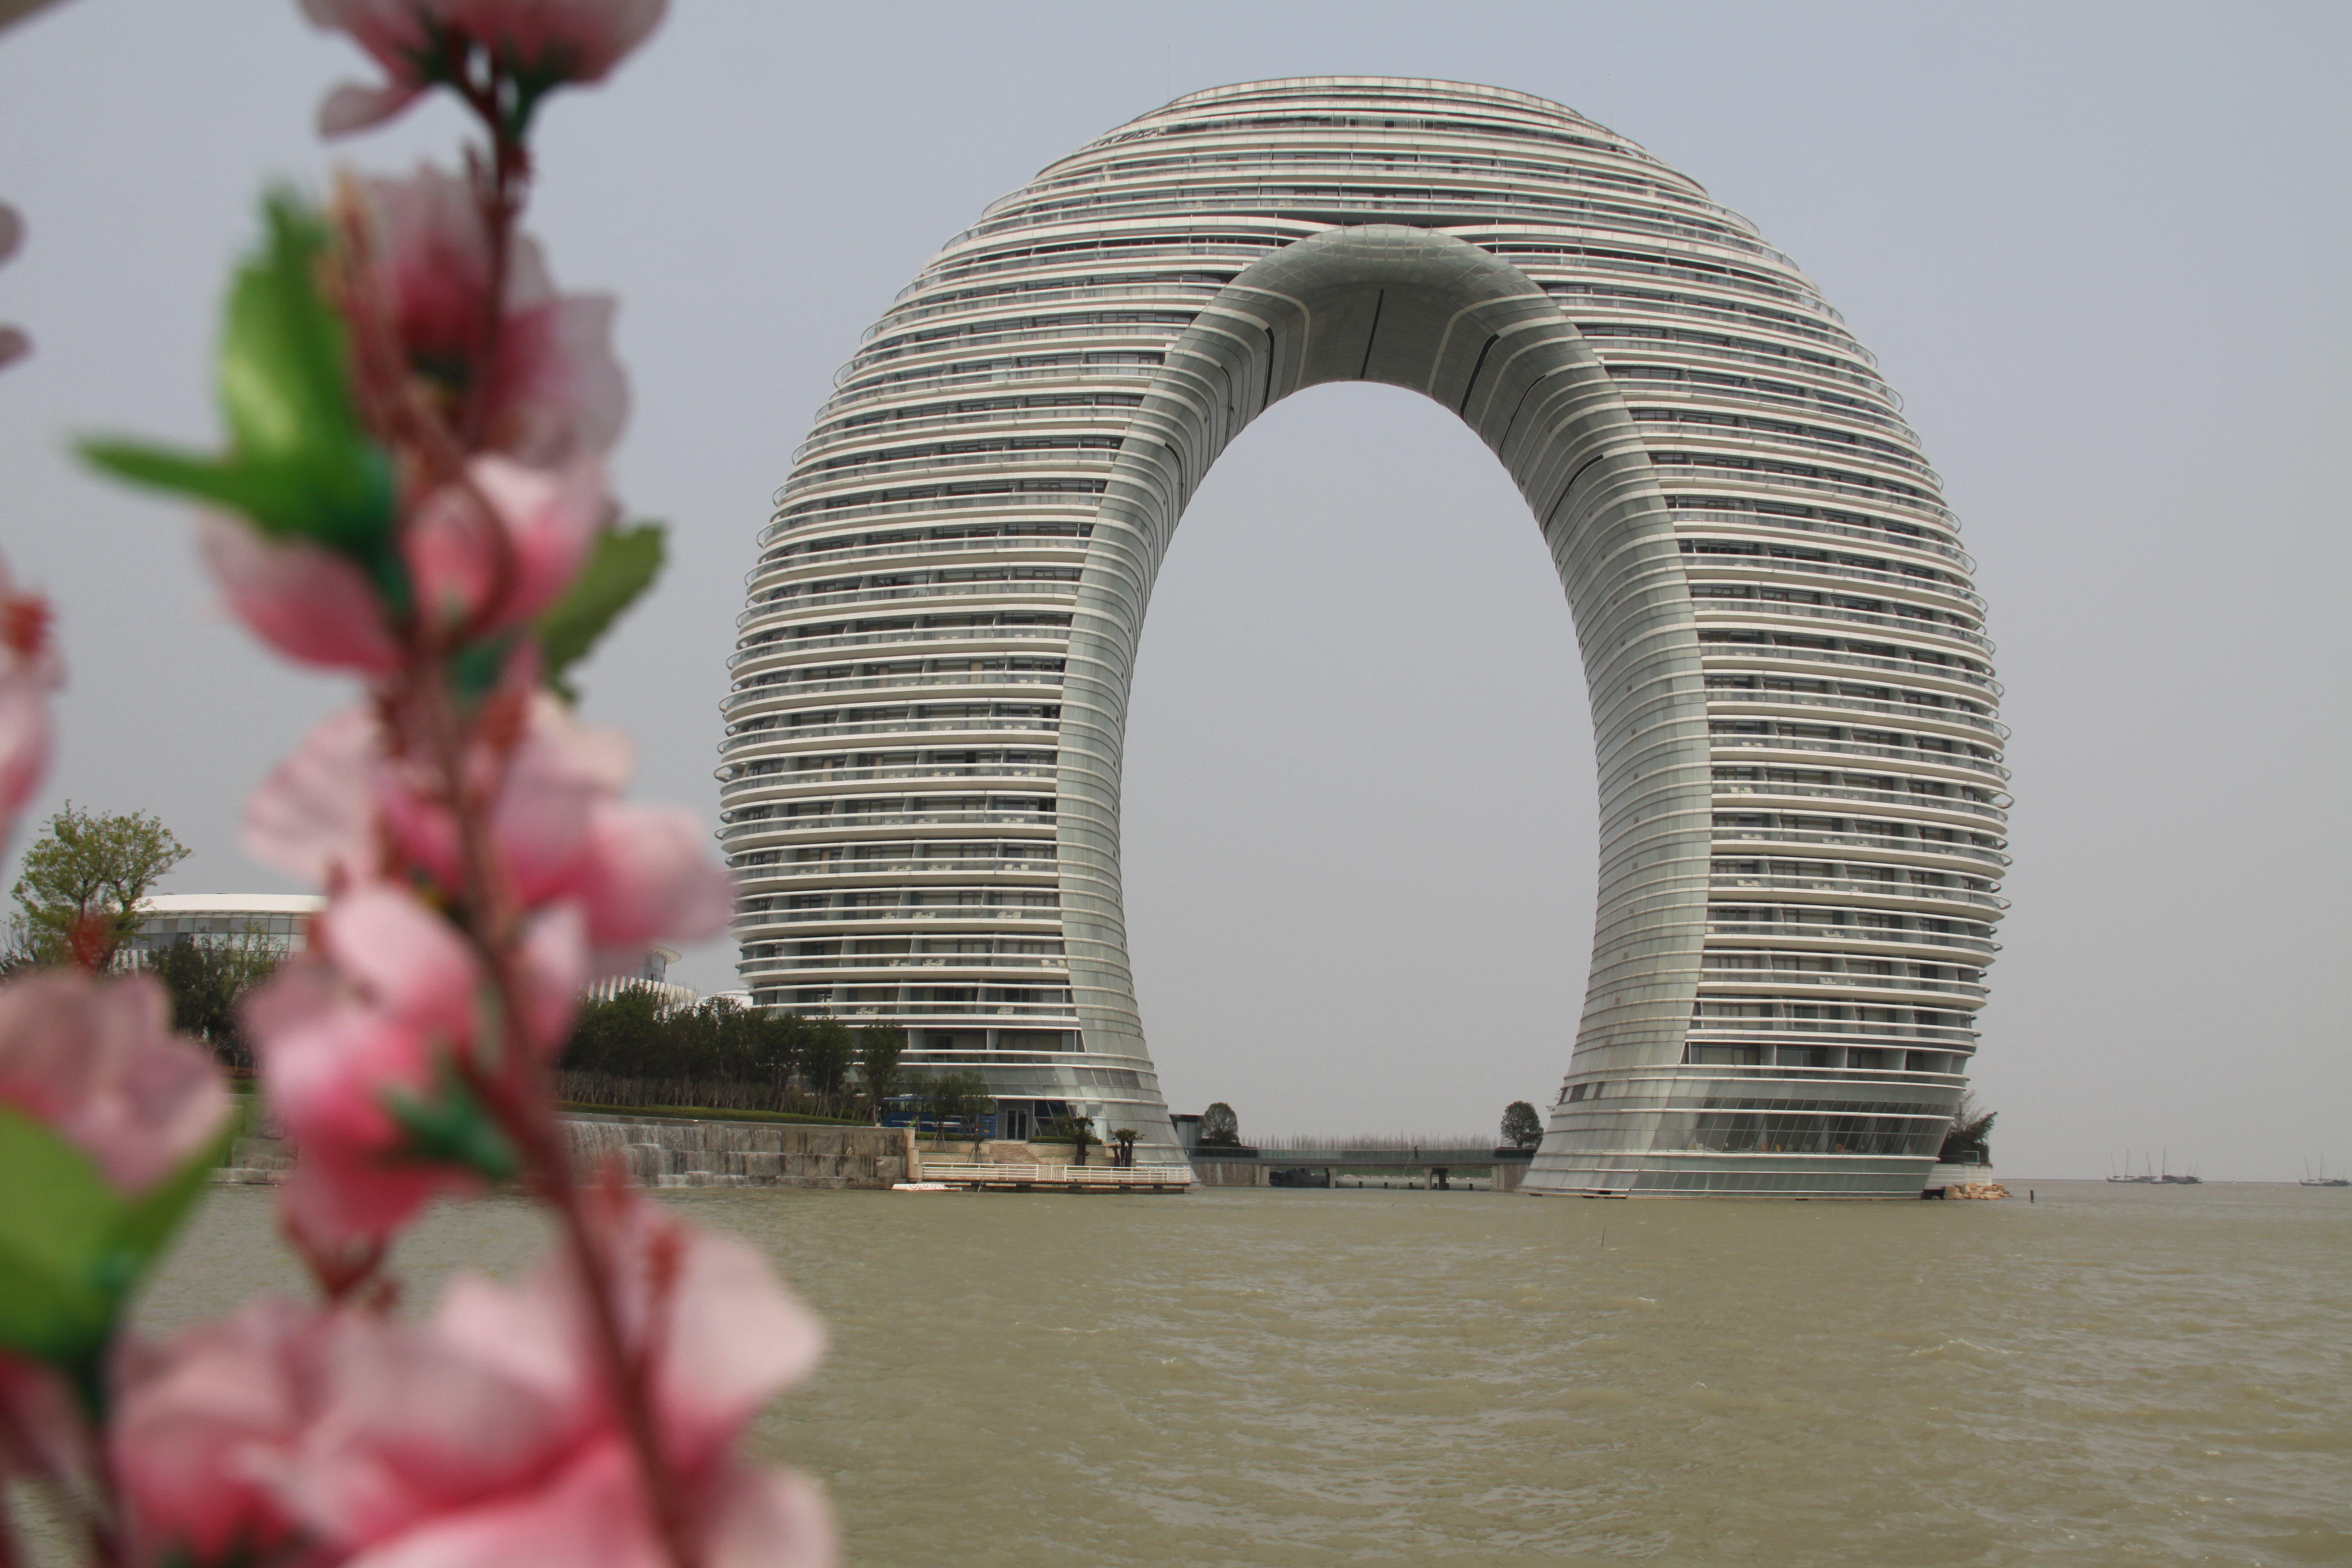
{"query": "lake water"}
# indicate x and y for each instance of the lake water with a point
(2109, 1375)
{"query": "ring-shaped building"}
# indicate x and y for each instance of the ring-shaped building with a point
(1800, 778)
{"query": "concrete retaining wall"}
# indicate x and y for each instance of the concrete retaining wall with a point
(662, 1152)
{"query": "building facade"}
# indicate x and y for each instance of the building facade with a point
(281, 921)
(1802, 789)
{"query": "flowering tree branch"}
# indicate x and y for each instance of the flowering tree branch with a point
(413, 491)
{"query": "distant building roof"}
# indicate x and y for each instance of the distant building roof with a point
(232, 904)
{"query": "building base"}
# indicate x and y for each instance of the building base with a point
(1665, 1176)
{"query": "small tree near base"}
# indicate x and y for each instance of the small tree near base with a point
(1123, 1147)
(83, 879)
(1220, 1127)
(1522, 1128)
(957, 1096)
(1080, 1133)
(879, 1046)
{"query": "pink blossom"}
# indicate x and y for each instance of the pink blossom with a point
(204, 1421)
(542, 42)
(553, 392)
(553, 965)
(491, 1435)
(310, 604)
(640, 873)
(384, 998)
(42, 1432)
(13, 344)
(29, 672)
(96, 1060)
(649, 876)
(315, 815)
(549, 521)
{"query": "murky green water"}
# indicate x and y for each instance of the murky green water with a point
(2110, 1375)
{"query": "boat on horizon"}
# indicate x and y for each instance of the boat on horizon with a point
(2323, 1179)
(2156, 1178)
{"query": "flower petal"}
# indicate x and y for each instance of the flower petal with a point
(554, 968)
(412, 963)
(311, 604)
(591, 1514)
(27, 738)
(200, 1418)
(96, 1060)
(312, 817)
(353, 107)
(550, 520)
(767, 1519)
(653, 879)
(734, 1337)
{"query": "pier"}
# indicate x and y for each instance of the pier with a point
(1442, 1170)
(1004, 1176)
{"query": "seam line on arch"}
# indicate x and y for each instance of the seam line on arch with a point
(1565, 490)
(1373, 336)
(1462, 409)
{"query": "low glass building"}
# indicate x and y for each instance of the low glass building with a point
(281, 919)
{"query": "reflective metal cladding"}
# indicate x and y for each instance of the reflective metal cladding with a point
(1802, 789)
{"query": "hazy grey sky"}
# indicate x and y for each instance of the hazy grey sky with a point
(2101, 249)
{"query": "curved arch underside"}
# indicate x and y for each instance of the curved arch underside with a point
(1801, 800)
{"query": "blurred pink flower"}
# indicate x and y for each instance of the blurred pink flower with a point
(554, 392)
(204, 1420)
(309, 603)
(553, 969)
(29, 670)
(372, 1012)
(487, 1436)
(490, 1437)
(640, 874)
(648, 876)
(13, 344)
(42, 1430)
(550, 520)
(542, 42)
(97, 1061)
(315, 815)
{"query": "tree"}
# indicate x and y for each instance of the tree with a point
(1219, 1126)
(879, 1046)
(1074, 1129)
(1123, 1142)
(1522, 1128)
(625, 1037)
(958, 1096)
(827, 1053)
(82, 880)
(1966, 1141)
(206, 980)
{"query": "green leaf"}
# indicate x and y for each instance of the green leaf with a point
(53, 1230)
(625, 565)
(71, 1247)
(454, 1128)
(300, 465)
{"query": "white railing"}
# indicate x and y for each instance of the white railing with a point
(993, 1173)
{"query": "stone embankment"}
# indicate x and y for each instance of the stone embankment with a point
(672, 1151)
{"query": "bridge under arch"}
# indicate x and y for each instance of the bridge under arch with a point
(1801, 805)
